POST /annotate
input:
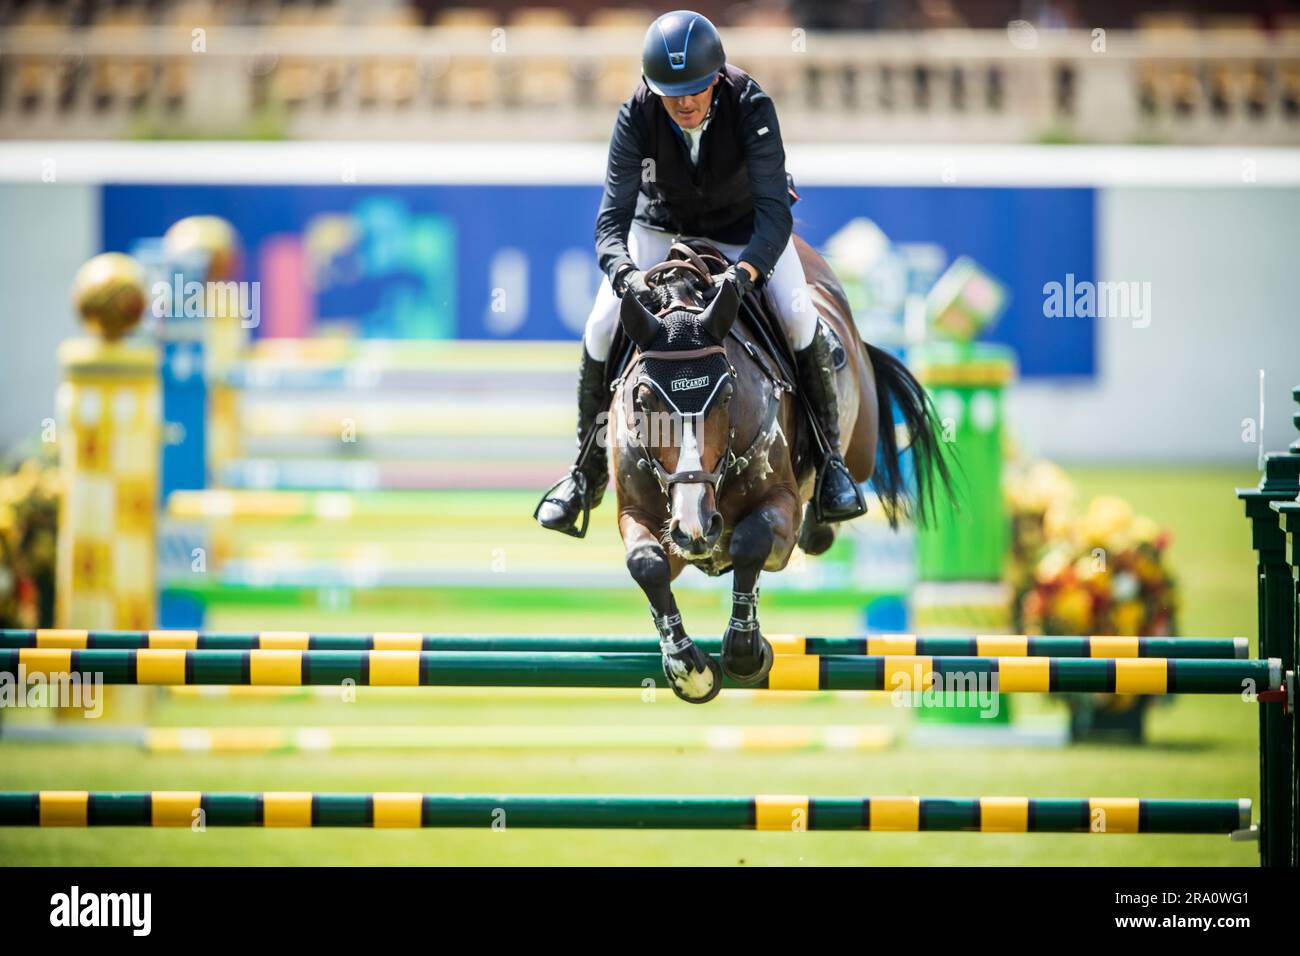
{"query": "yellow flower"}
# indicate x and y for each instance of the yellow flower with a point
(1101, 584)
(1052, 565)
(1071, 610)
(1106, 524)
(1127, 618)
(1040, 487)
(1058, 522)
(1145, 531)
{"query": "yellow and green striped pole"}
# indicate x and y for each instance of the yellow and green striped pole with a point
(398, 668)
(57, 808)
(987, 645)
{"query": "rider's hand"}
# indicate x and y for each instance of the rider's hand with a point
(737, 275)
(633, 281)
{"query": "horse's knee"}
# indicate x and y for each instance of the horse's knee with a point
(751, 543)
(648, 565)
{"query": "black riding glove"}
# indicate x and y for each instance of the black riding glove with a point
(736, 275)
(630, 280)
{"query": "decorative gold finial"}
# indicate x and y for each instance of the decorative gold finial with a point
(211, 235)
(109, 293)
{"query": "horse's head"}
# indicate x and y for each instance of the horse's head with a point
(677, 398)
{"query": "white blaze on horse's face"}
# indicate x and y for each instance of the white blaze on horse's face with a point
(695, 525)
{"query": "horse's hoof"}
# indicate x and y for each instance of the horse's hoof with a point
(746, 668)
(690, 681)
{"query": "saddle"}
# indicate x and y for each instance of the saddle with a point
(758, 330)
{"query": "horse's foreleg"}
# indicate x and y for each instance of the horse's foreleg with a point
(764, 536)
(692, 674)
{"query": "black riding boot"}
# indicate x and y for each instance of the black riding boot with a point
(837, 496)
(573, 496)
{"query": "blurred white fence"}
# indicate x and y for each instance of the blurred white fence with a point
(521, 83)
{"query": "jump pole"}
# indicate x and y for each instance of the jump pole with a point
(992, 645)
(571, 669)
(50, 808)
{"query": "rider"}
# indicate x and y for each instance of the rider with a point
(697, 152)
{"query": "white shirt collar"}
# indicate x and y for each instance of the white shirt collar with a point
(693, 137)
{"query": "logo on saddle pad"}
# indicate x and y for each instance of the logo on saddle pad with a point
(685, 384)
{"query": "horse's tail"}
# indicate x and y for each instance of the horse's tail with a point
(897, 386)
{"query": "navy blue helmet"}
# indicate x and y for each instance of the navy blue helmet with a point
(682, 54)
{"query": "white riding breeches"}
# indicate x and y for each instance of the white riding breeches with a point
(785, 289)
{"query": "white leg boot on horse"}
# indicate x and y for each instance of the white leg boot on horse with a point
(761, 538)
(692, 674)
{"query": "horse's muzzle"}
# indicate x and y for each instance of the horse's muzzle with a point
(697, 541)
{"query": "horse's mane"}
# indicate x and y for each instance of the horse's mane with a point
(672, 288)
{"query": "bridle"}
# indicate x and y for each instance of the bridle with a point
(692, 420)
(635, 375)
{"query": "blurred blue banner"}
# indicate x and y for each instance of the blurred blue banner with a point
(497, 261)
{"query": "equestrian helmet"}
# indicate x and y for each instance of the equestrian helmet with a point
(682, 54)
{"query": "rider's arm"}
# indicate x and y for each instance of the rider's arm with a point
(765, 155)
(618, 205)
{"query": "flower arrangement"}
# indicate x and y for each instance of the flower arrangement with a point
(1100, 572)
(1107, 576)
(29, 508)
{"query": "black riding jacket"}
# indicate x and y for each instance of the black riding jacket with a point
(737, 193)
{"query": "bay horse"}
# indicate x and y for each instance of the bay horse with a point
(724, 485)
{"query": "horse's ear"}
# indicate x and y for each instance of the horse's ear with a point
(721, 312)
(640, 324)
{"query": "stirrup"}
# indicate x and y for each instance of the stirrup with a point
(836, 462)
(580, 482)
